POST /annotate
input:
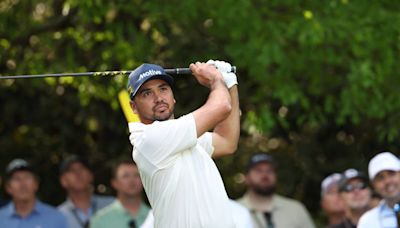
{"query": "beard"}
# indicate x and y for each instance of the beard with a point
(265, 191)
(162, 117)
(165, 115)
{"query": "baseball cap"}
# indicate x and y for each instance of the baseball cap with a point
(381, 162)
(68, 161)
(17, 165)
(329, 181)
(348, 175)
(259, 158)
(144, 73)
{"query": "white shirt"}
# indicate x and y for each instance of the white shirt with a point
(381, 216)
(241, 214)
(149, 221)
(181, 180)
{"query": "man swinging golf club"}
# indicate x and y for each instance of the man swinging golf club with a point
(181, 180)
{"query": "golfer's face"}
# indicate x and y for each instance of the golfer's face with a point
(154, 101)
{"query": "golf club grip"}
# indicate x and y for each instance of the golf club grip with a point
(188, 71)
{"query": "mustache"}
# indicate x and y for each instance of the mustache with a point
(160, 103)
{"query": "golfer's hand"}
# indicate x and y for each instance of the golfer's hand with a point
(206, 74)
(225, 68)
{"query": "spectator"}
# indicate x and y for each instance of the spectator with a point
(267, 208)
(356, 196)
(25, 210)
(375, 199)
(128, 210)
(81, 204)
(3, 202)
(384, 173)
(331, 203)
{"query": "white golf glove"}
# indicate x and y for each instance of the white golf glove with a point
(225, 68)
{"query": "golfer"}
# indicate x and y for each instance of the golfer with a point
(183, 184)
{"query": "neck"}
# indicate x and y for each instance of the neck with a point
(130, 203)
(259, 202)
(392, 201)
(81, 199)
(355, 214)
(335, 218)
(24, 207)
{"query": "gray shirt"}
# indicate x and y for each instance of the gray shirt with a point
(284, 213)
(77, 218)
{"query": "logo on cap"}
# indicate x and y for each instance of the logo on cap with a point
(149, 73)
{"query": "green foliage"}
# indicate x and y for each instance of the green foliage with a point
(318, 80)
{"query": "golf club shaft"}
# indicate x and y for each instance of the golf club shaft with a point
(175, 71)
(172, 71)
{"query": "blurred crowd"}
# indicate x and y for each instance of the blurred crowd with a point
(348, 199)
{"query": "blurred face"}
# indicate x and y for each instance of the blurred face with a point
(357, 195)
(387, 184)
(77, 178)
(331, 202)
(22, 186)
(262, 179)
(127, 180)
(154, 101)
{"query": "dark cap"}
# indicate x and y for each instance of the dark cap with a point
(67, 162)
(17, 165)
(144, 73)
(348, 175)
(258, 158)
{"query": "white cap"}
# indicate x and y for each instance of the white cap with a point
(381, 162)
(330, 181)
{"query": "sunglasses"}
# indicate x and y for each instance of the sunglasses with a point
(352, 187)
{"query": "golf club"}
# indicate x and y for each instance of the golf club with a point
(172, 71)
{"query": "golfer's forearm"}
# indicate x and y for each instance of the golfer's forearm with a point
(217, 108)
(228, 130)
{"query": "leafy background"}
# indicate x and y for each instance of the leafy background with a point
(319, 81)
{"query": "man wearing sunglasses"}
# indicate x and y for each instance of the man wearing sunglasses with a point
(356, 195)
(384, 173)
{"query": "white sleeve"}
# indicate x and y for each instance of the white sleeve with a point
(149, 221)
(205, 141)
(161, 141)
(241, 215)
(371, 219)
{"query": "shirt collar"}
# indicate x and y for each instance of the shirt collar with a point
(36, 209)
(272, 207)
(117, 205)
(384, 207)
(71, 205)
(142, 211)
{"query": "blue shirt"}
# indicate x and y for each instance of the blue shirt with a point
(42, 216)
(76, 217)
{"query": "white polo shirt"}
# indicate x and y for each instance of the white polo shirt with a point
(381, 216)
(181, 180)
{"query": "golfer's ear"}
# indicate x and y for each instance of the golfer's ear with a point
(133, 106)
